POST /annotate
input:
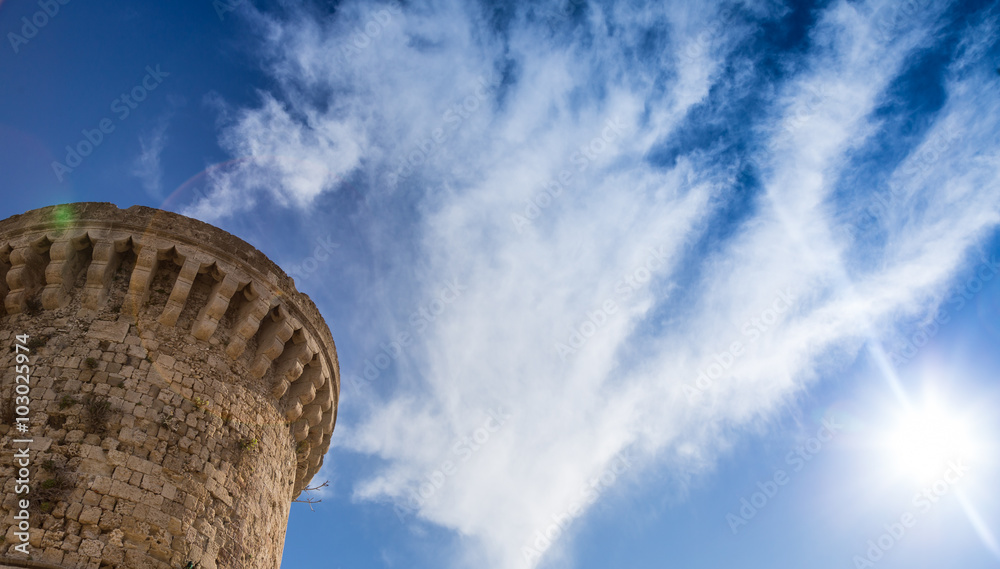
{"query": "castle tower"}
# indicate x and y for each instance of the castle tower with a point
(180, 393)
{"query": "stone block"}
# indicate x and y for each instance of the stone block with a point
(91, 548)
(110, 331)
(90, 515)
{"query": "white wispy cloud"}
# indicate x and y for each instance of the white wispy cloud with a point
(147, 166)
(589, 293)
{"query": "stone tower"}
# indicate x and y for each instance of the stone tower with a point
(180, 393)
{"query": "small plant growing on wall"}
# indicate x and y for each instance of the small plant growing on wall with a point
(98, 411)
(312, 501)
(91, 363)
(56, 421)
(199, 402)
(169, 423)
(246, 449)
(36, 342)
(52, 489)
(67, 401)
(32, 306)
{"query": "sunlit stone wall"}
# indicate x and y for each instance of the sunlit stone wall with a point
(182, 392)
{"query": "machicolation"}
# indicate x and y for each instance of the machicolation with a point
(182, 392)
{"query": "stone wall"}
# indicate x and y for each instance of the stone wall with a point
(182, 391)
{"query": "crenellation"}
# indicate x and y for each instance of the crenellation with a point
(221, 381)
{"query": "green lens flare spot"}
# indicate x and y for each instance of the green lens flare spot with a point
(62, 215)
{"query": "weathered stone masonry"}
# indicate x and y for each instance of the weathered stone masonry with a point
(182, 394)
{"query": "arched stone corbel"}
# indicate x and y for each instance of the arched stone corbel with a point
(66, 260)
(219, 298)
(291, 363)
(190, 267)
(248, 318)
(303, 391)
(274, 332)
(105, 260)
(27, 273)
(151, 254)
(300, 430)
(5, 250)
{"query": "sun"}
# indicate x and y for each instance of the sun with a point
(926, 440)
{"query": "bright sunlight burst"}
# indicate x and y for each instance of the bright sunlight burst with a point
(925, 440)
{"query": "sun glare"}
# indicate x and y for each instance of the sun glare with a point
(927, 441)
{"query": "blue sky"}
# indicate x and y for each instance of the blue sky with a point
(697, 284)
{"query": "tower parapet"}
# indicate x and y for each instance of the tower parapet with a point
(182, 392)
